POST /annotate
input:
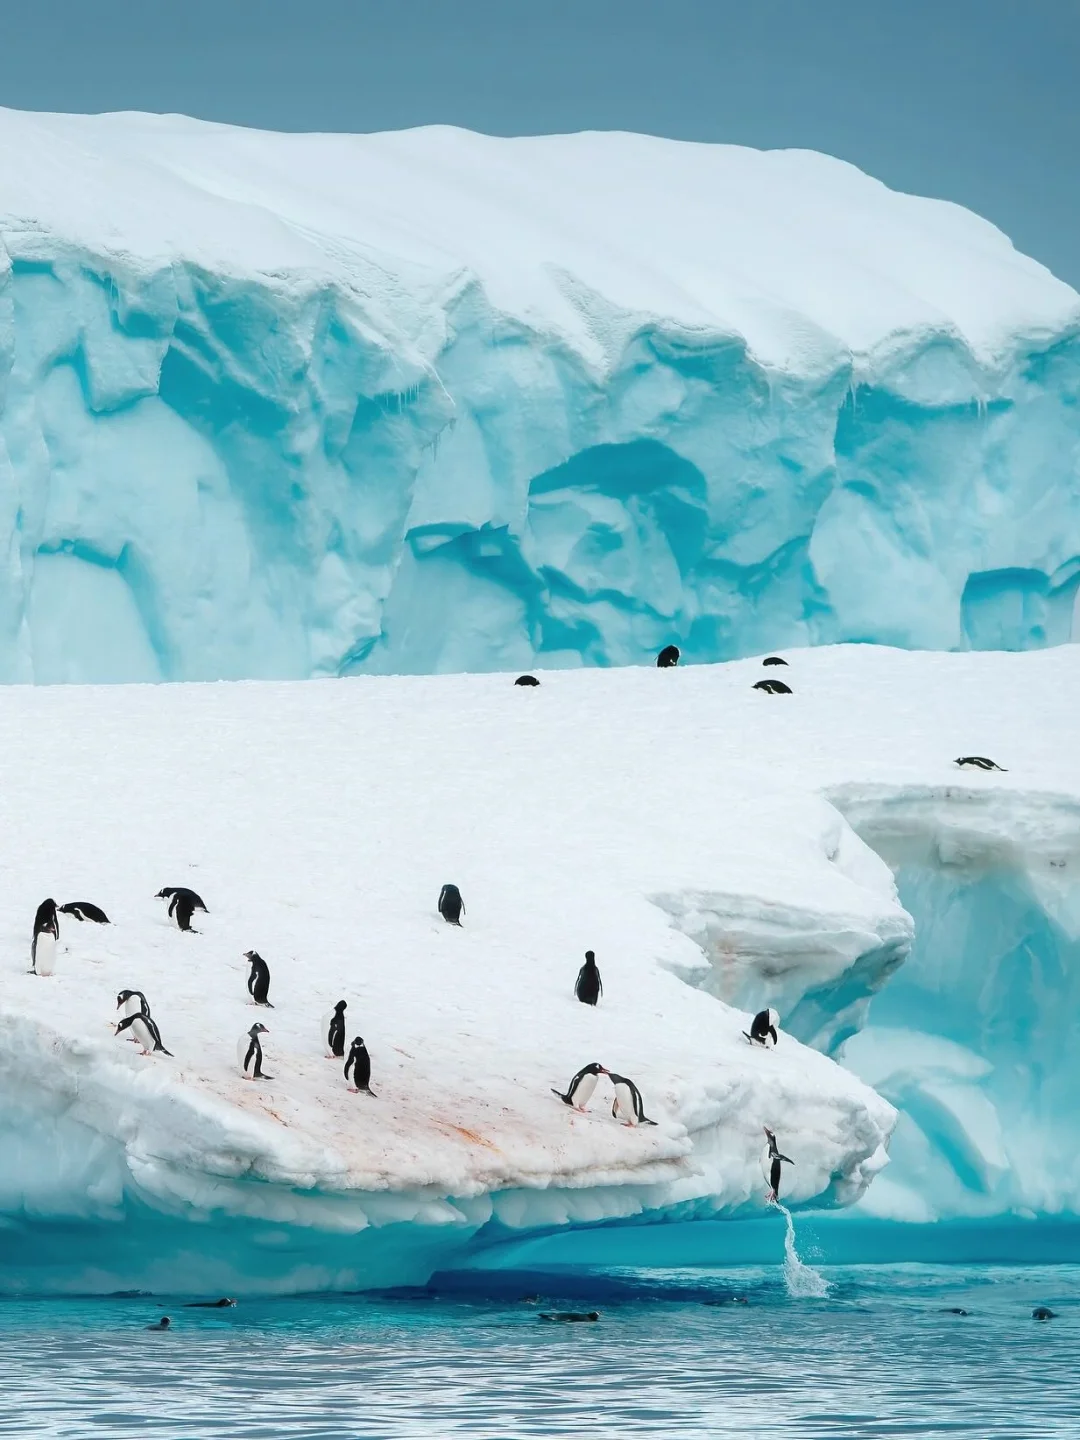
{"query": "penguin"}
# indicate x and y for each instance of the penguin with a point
(359, 1061)
(249, 1052)
(568, 1317)
(170, 890)
(588, 987)
(526, 680)
(132, 1002)
(146, 1033)
(451, 907)
(627, 1105)
(773, 687)
(1043, 1312)
(579, 1091)
(773, 660)
(335, 1031)
(668, 657)
(259, 979)
(763, 1029)
(83, 910)
(162, 1324)
(46, 934)
(980, 762)
(181, 908)
(770, 1167)
(223, 1304)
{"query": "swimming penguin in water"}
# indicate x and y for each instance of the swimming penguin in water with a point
(627, 1105)
(249, 1052)
(359, 1062)
(169, 891)
(223, 1304)
(773, 660)
(46, 934)
(668, 657)
(568, 1317)
(980, 762)
(770, 1166)
(259, 979)
(1043, 1312)
(588, 987)
(450, 904)
(526, 680)
(579, 1092)
(83, 910)
(145, 1031)
(335, 1030)
(181, 908)
(773, 687)
(763, 1029)
(162, 1324)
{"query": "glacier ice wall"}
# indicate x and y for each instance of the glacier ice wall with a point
(281, 406)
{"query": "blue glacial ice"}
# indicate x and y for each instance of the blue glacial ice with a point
(282, 406)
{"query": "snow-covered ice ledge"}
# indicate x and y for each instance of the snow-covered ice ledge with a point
(675, 822)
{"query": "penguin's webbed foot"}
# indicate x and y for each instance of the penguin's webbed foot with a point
(354, 1090)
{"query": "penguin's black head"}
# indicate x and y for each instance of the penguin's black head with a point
(257, 1029)
(590, 956)
(596, 1069)
(124, 996)
(358, 1044)
(770, 1137)
(341, 1005)
(251, 955)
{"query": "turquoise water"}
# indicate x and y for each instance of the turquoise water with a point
(673, 1354)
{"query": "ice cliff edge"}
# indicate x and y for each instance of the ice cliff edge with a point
(283, 405)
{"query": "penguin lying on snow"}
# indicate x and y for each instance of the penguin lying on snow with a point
(763, 1029)
(628, 1106)
(259, 980)
(83, 910)
(980, 762)
(46, 934)
(579, 1092)
(145, 1032)
(334, 1027)
(450, 904)
(526, 680)
(668, 657)
(249, 1052)
(771, 1162)
(773, 687)
(773, 660)
(359, 1061)
(588, 987)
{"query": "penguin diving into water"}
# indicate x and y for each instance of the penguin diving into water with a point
(259, 980)
(773, 687)
(451, 907)
(763, 1029)
(668, 657)
(579, 1092)
(145, 1032)
(771, 1162)
(83, 910)
(46, 934)
(627, 1105)
(249, 1052)
(334, 1027)
(359, 1062)
(588, 987)
(980, 762)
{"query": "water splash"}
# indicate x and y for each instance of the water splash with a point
(802, 1281)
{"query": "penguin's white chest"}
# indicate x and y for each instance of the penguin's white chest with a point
(584, 1091)
(133, 1006)
(45, 953)
(624, 1105)
(141, 1031)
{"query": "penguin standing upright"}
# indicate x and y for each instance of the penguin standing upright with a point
(450, 904)
(359, 1062)
(588, 987)
(84, 910)
(579, 1092)
(132, 1002)
(145, 1032)
(259, 979)
(764, 1029)
(628, 1105)
(335, 1031)
(182, 905)
(46, 934)
(249, 1052)
(771, 1162)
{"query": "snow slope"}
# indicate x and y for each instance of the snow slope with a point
(285, 405)
(674, 821)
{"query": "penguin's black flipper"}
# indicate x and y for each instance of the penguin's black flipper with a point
(564, 1098)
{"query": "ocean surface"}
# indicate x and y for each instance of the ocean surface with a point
(854, 1352)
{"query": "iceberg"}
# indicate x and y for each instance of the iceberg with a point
(283, 406)
(719, 849)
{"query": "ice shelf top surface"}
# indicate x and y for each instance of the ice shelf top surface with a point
(587, 237)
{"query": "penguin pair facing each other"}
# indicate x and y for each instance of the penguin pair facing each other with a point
(139, 1023)
(47, 930)
(627, 1105)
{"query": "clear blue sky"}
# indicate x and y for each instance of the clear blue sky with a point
(977, 101)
